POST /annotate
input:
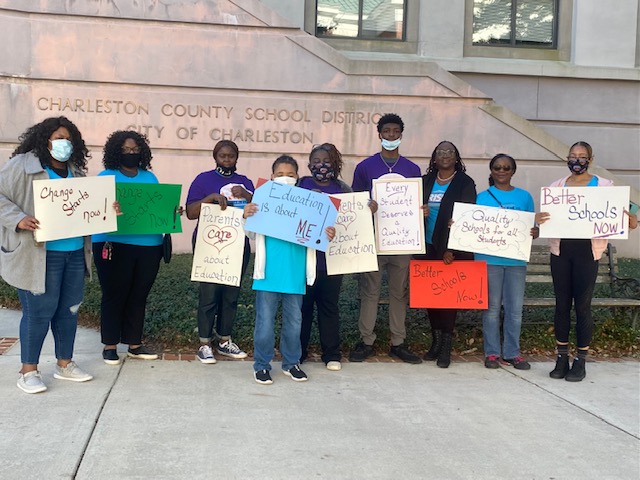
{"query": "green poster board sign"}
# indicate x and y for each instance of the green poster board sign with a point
(148, 208)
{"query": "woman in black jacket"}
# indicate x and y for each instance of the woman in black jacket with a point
(444, 183)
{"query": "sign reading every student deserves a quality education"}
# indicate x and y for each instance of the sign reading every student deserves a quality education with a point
(399, 219)
(217, 257)
(74, 207)
(293, 214)
(462, 284)
(149, 208)
(585, 212)
(491, 230)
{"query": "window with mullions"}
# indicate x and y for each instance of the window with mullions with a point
(365, 19)
(515, 23)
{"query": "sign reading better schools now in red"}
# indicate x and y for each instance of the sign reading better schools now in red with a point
(461, 285)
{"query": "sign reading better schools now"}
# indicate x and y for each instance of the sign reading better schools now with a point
(293, 214)
(148, 208)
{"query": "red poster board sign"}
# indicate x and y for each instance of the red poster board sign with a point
(462, 285)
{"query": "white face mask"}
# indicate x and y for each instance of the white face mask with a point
(286, 181)
(61, 149)
(390, 144)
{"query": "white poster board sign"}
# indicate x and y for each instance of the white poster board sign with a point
(491, 230)
(399, 219)
(353, 250)
(585, 212)
(74, 207)
(217, 257)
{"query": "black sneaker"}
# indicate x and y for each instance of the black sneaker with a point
(492, 361)
(110, 356)
(403, 353)
(296, 374)
(361, 352)
(263, 377)
(519, 363)
(142, 353)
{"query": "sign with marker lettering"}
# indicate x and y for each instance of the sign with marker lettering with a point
(491, 230)
(217, 257)
(461, 284)
(585, 212)
(353, 250)
(293, 214)
(74, 207)
(399, 219)
(148, 208)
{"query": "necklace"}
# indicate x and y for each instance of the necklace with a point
(445, 180)
(390, 167)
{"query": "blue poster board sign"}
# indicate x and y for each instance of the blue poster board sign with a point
(293, 214)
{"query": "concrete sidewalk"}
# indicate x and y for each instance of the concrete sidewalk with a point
(175, 420)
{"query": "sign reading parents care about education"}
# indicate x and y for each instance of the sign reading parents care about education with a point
(148, 208)
(399, 219)
(491, 230)
(74, 207)
(585, 212)
(461, 284)
(354, 249)
(217, 257)
(293, 214)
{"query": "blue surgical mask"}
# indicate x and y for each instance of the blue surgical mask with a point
(390, 144)
(61, 149)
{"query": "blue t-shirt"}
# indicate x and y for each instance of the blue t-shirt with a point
(435, 199)
(285, 268)
(66, 244)
(516, 199)
(145, 240)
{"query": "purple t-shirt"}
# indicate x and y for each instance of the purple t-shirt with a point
(375, 167)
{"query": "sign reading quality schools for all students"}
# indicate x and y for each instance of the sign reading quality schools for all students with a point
(148, 208)
(293, 214)
(74, 207)
(219, 250)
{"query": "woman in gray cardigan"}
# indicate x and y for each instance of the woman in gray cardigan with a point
(49, 276)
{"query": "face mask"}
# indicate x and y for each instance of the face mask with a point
(61, 149)
(578, 166)
(130, 160)
(225, 171)
(286, 181)
(322, 172)
(390, 145)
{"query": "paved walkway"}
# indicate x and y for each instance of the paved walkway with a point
(379, 420)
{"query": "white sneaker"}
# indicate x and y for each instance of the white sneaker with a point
(205, 354)
(230, 349)
(31, 382)
(334, 365)
(72, 372)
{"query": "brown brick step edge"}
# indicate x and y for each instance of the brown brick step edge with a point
(6, 343)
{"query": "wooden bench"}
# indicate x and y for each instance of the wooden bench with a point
(623, 293)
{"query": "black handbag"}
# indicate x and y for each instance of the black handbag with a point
(166, 248)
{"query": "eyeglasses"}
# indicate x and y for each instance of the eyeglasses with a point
(582, 159)
(135, 149)
(442, 153)
(505, 168)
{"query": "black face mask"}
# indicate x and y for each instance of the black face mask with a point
(225, 171)
(130, 160)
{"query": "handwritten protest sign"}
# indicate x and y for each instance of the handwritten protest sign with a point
(148, 208)
(584, 212)
(219, 246)
(491, 230)
(462, 284)
(74, 207)
(293, 214)
(353, 250)
(399, 219)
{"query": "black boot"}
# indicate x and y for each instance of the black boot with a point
(562, 366)
(444, 357)
(436, 345)
(577, 372)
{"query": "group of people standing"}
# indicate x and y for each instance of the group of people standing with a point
(50, 277)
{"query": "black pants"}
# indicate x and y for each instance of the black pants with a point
(574, 275)
(325, 294)
(126, 281)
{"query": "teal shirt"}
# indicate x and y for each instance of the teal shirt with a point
(285, 268)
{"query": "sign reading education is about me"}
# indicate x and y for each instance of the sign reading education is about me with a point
(462, 284)
(399, 219)
(585, 212)
(74, 207)
(148, 208)
(353, 250)
(293, 214)
(491, 230)
(217, 257)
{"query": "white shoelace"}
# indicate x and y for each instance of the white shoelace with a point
(206, 351)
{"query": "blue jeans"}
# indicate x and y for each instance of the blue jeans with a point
(506, 287)
(58, 307)
(263, 333)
